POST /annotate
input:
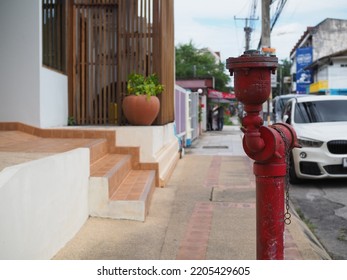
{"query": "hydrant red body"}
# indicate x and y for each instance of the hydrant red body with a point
(267, 146)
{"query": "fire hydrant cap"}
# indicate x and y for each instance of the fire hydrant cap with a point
(252, 59)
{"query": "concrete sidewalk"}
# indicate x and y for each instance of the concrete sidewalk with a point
(207, 211)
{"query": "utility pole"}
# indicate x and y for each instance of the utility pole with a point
(248, 30)
(265, 24)
(265, 40)
(249, 26)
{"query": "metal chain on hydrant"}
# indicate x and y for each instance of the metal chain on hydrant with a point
(287, 215)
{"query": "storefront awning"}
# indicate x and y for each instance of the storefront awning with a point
(220, 95)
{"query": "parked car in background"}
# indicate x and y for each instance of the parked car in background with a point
(321, 126)
(278, 104)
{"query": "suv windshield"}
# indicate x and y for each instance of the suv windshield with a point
(281, 102)
(321, 111)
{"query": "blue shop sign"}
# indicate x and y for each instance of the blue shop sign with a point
(303, 77)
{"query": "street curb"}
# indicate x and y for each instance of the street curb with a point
(310, 245)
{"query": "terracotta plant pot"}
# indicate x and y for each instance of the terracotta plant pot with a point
(141, 110)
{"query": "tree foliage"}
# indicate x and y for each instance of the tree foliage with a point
(194, 63)
(283, 70)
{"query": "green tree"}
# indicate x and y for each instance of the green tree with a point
(283, 70)
(192, 62)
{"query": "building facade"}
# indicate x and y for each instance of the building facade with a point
(319, 59)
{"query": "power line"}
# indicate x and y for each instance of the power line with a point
(278, 11)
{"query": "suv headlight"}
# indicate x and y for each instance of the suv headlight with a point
(307, 142)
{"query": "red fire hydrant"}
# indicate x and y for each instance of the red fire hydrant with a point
(267, 146)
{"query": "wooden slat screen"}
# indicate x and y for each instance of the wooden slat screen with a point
(95, 60)
(114, 38)
(135, 42)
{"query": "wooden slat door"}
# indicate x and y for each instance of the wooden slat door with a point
(94, 52)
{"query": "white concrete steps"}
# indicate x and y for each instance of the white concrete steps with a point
(119, 192)
(114, 167)
(132, 199)
(98, 149)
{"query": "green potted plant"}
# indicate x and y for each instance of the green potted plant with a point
(141, 85)
(141, 105)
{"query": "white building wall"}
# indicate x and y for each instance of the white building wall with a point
(338, 74)
(322, 74)
(20, 61)
(328, 37)
(150, 139)
(43, 204)
(29, 93)
(53, 98)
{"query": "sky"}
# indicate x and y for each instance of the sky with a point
(212, 23)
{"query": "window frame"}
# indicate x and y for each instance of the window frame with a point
(54, 35)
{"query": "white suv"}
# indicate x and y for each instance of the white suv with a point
(321, 126)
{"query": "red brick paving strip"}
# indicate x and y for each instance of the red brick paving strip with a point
(194, 243)
(235, 205)
(212, 178)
